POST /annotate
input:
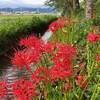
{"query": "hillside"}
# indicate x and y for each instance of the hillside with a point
(42, 10)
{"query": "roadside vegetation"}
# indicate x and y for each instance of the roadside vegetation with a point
(66, 66)
(12, 30)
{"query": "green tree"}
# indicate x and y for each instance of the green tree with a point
(66, 6)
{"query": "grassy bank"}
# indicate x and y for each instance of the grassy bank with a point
(66, 68)
(11, 31)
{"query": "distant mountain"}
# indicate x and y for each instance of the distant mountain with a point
(42, 10)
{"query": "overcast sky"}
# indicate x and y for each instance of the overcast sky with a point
(20, 3)
(25, 1)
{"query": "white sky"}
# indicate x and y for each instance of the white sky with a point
(25, 1)
(22, 3)
(34, 1)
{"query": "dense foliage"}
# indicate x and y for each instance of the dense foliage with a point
(11, 31)
(67, 67)
(67, 7)
(74, 8)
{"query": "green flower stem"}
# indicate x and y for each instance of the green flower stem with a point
(65, 95)
(73, 84)
(54, 94)
(64, 86)
(92, 98)
(88, 56)
(72, 35)
(59, 89)
(91, 68)
(96, 95)
(45, 59)
(87, 84)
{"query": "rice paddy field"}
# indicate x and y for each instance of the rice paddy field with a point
(15, 17)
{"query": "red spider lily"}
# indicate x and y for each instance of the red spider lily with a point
(54, 26)
(81, 82)
(31, 42)
(92, 38)
(71, 25)
(41, 74)
(66, 50)
(21, 58)
(3, 89)
(60, 73)
(36, 48)
(73, 21)
(66, 24)
(95, 28)
(60, 18)
(94, 16)
(49, 46)
(68, 19)
(48, 30)
(62, 62)
(26, 57)
(23, 90)
(98, 57)
(62, 22)
(36, 45)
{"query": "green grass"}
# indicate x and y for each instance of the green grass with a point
(11, 31)
(15, 17)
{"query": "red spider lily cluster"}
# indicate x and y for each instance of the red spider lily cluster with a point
(24, 90)
(35, 52)
(60, 23)
(94, 16)
(52, 62)
(93, 37)
(54, 26)
(95, 28)
(62, 62)
(41, 74)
